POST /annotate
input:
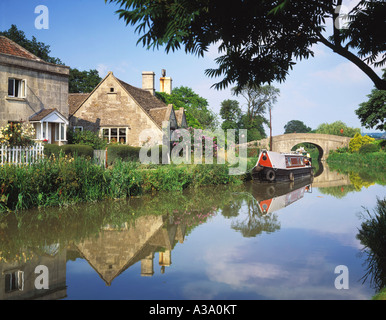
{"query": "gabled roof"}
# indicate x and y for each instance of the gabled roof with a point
(161, 114)
(153, 107)
(10, 47)
(144, 98)
(45, 113)
(179, 116)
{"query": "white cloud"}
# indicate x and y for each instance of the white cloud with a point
(343, 74)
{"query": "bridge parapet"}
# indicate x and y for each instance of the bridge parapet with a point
(324, 142)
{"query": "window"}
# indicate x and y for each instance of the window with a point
(16, 88)
(14, 281)
(111, 90)
(78, 129)
(61, 127)
(115, 135)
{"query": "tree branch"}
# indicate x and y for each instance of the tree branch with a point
(380, 84)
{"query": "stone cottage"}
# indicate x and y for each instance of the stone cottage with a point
(35, 91)
(122, 113)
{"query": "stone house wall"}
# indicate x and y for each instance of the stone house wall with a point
(46, 88)
(110, 106)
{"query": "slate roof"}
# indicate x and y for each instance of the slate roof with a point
(42, 114)
(161, 114)
(75, 100)
(10, 47)
(144, 98)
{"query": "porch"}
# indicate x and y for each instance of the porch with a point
(50, 126)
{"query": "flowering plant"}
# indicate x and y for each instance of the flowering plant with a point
(17, 134)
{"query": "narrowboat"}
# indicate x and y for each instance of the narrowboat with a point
(276, 167)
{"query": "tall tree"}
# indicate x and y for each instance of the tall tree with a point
(296, 126)
(230, 112)
(261, 40)
(372, 113)
(83, 81)
(198, 114)
(337, 128)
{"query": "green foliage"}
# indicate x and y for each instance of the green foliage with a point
(78, 149)
(17, 134)
(64, 180)
(122, 152)
(198, 115)
(230, 113)
(372, 113)
(68, 149)
(86, 137)
(337, 128)
(287, 29)
(296, 126)
(79, 81)
(83, 81)
(51, 149)
(368, 148)
(358, 141)
(372, 237)
(39, 49)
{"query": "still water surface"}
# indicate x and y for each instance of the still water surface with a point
(255, 241)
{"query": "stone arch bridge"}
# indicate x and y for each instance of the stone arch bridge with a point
(324, 142)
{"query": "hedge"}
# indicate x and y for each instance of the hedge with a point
(68, 149)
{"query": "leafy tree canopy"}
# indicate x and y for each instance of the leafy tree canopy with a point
(296, 126)
(79, 81)
(337, 128)
(372, 113)
(198, 115)
(260, 40)
(230, 113)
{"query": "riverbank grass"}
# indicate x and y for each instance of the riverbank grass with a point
(66, 180)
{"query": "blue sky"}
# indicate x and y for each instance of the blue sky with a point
(87, 34)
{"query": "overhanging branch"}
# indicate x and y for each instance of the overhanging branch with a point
(379, 83)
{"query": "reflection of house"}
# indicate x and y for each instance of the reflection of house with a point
(120, 112)
(113, 251)
(17, 279)
(33, 90)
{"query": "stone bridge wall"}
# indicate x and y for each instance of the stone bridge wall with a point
(324, 142)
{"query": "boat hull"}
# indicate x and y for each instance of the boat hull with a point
(268, 174)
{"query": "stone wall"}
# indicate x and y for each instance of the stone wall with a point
(111, 106)
(46, 88)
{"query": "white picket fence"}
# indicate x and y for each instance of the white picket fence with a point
(21, 155)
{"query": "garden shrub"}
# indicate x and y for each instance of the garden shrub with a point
(77, 149)
(51, 149)
(86, 137)
(122, 152)
(368, 148)
(358, 141)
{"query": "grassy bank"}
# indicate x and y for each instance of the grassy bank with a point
(66, 180)
(374, 160)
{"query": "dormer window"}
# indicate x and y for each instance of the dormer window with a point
(16, 88)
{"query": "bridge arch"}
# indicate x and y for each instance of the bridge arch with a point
(324, 142)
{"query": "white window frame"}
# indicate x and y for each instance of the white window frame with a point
(117, 128)
(75, 128)
(22, 88)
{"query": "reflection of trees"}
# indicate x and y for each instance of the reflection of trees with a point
(373, 236)
(250, 222)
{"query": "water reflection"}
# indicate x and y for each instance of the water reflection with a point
(114, 236)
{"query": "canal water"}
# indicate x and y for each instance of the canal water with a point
(254, 241)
